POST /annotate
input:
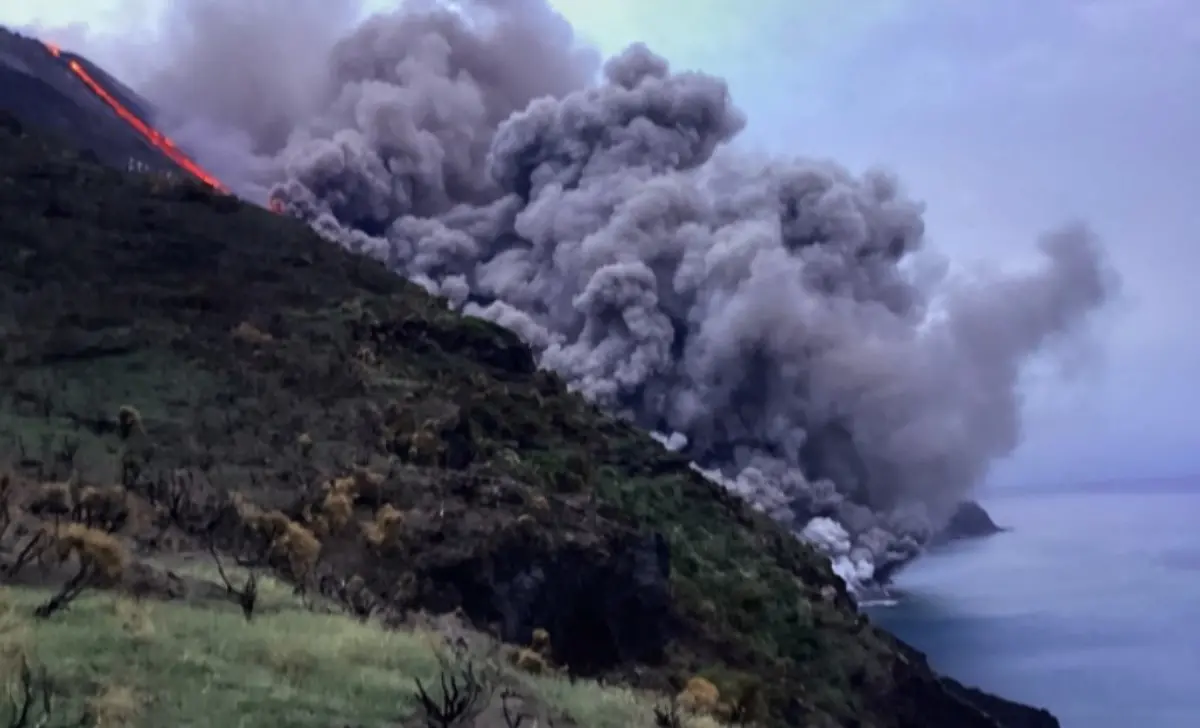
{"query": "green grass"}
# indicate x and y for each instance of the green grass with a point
(204, 665)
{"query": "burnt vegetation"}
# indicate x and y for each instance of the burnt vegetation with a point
(181, 373)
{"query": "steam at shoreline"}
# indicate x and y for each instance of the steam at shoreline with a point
(782, 324)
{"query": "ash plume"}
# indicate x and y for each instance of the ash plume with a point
(780, 323)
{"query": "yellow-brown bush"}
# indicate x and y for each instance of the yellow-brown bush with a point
(337, 509)
(386, 528)
(424, 446)
(530, 661)
(290, 545)
(95, 549)
(345, 485)
(270, 525)
(700, 696)
(298, 549)
(248, 333)
(540, 640)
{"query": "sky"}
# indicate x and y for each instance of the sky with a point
(1006, 118)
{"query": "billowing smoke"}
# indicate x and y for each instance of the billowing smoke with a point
(780, 323)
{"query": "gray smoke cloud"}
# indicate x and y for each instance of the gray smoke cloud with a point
(779, 322)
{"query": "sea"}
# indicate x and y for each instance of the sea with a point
(1089, 606)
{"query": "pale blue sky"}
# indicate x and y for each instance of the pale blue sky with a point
(1006, 117)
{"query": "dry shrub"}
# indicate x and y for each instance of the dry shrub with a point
(342, 486)
(540, 641)
(298, 549)
(530, 661)
(700, 697)
(291, 546)
(129, 421)
(96, 551)
(424, 446)
(248, 333)
(270, 525)
(336, 510)
(101, 560)
(535, 659)
(386, 528)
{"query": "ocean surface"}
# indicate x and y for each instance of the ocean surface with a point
(1089, 607)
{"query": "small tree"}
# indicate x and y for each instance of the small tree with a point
(101, 560)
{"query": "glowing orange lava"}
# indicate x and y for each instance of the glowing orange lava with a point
(159, 140)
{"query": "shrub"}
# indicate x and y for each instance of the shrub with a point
(129, 420)
(101, 560)
(424, 447)
(530, 661)
(298, 549)
(386, 528)
(337, 509)
(248, 333)
(540, 641)
(700, 696)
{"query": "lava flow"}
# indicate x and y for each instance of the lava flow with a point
(156, 138)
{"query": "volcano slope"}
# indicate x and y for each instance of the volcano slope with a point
(317, 415)
(38, 84)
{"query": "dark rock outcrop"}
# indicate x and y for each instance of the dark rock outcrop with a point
(1005, 712)
(997, 711)
(970, 520)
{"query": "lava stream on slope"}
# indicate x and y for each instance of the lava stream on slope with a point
(156, 138)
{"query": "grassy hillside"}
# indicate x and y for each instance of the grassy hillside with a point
(198, 662)
(301, 409)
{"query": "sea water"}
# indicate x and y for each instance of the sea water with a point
(1089, 607)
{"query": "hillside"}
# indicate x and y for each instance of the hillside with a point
(49, 87)
(231, 370)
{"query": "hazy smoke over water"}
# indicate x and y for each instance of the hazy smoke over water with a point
(780, 323)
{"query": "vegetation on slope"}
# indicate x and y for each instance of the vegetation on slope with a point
(197, 662)
(305, 410)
